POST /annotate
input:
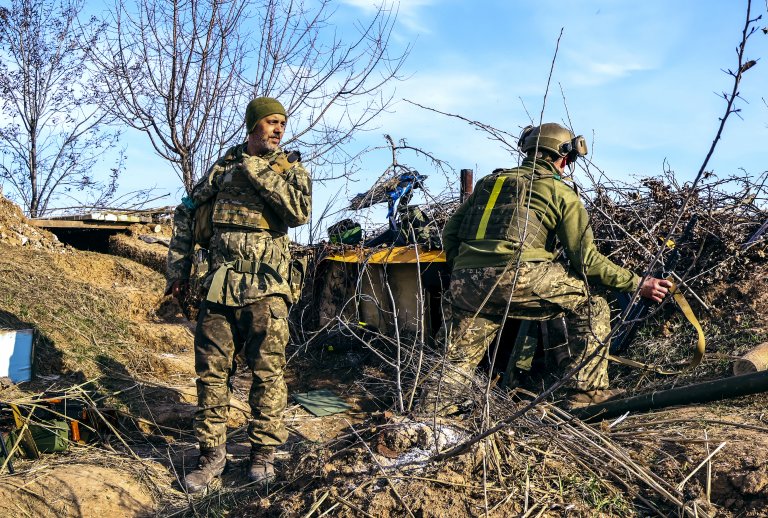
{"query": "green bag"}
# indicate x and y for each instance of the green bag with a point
(346, 232)
(51, 436)
(418, 228)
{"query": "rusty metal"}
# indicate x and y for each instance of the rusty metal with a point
(467, 184)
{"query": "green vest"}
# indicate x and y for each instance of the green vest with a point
(499, 211)
(238, 204)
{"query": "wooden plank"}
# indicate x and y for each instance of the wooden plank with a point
(85, 225)
(106, 216)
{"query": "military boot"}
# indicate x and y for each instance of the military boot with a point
(585, 398)
(210, 465)
(262, 467)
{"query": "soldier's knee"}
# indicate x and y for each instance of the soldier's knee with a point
(600, 308)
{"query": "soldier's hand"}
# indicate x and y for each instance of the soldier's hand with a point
(281, 164)
(179, 289)
(655, 289)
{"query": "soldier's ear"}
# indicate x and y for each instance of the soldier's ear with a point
(524, 135)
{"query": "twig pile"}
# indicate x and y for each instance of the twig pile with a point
(630, 223)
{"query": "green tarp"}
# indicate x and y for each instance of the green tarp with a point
(321, 402)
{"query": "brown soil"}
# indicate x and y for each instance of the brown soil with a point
(684, 437)
(77, 491)
(15, 230)
(151, 255)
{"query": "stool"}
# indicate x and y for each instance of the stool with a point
(552, 333)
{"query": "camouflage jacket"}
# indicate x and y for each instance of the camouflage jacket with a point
(244, 264)
(553, 212)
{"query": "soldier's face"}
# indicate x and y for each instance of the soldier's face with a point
(266, 135)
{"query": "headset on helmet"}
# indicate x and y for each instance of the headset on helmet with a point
(554, 138)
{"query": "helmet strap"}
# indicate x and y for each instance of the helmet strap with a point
(571, 167)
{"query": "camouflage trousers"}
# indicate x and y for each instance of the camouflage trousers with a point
(260, 331)
(540, 291)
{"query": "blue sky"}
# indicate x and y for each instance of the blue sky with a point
(641, 80)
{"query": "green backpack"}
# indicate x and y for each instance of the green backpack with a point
(345, 232)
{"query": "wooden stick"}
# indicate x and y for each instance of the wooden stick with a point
(702, 464)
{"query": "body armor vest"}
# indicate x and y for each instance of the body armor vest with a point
(238, 204)
(499, 211)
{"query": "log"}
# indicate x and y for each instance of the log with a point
(755, 360)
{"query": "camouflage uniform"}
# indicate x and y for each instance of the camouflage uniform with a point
(521, 214)
(247, 286)
(542, 291)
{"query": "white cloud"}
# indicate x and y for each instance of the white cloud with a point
(409, 12)
(600, 72)
(614, 69)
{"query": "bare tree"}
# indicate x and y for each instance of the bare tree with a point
(337, 86)
(176, 73)
(55, 130)
(183, 71)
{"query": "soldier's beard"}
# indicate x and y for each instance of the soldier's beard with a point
(266, 144)
(270, 143)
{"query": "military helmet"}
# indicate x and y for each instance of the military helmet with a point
(553, 138)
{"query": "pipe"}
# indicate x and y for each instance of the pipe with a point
(715, 390)
(466, 184)
(755, 360)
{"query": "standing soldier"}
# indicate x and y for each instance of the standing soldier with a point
(501, 245)
(243, 208)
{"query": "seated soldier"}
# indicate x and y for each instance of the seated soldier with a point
(501, 245)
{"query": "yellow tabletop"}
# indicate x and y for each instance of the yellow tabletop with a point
(398, 254)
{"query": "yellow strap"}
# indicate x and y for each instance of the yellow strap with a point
(489, 207)
(17, 418)
(641, 365)
(701, 344)
(698, 353)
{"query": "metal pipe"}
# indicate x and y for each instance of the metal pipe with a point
(466, 185)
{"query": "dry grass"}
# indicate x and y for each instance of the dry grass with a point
(81, 313)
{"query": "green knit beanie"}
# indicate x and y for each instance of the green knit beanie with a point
(260, 108)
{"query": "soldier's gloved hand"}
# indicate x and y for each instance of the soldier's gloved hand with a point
(655, 289)
(281, 164)
(179, 289)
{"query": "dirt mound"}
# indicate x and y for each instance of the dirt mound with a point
(101, 320)
(15, 230)
(749, 297)
(151, 255)
(89, 307)
(161, 230)
(77, 491)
